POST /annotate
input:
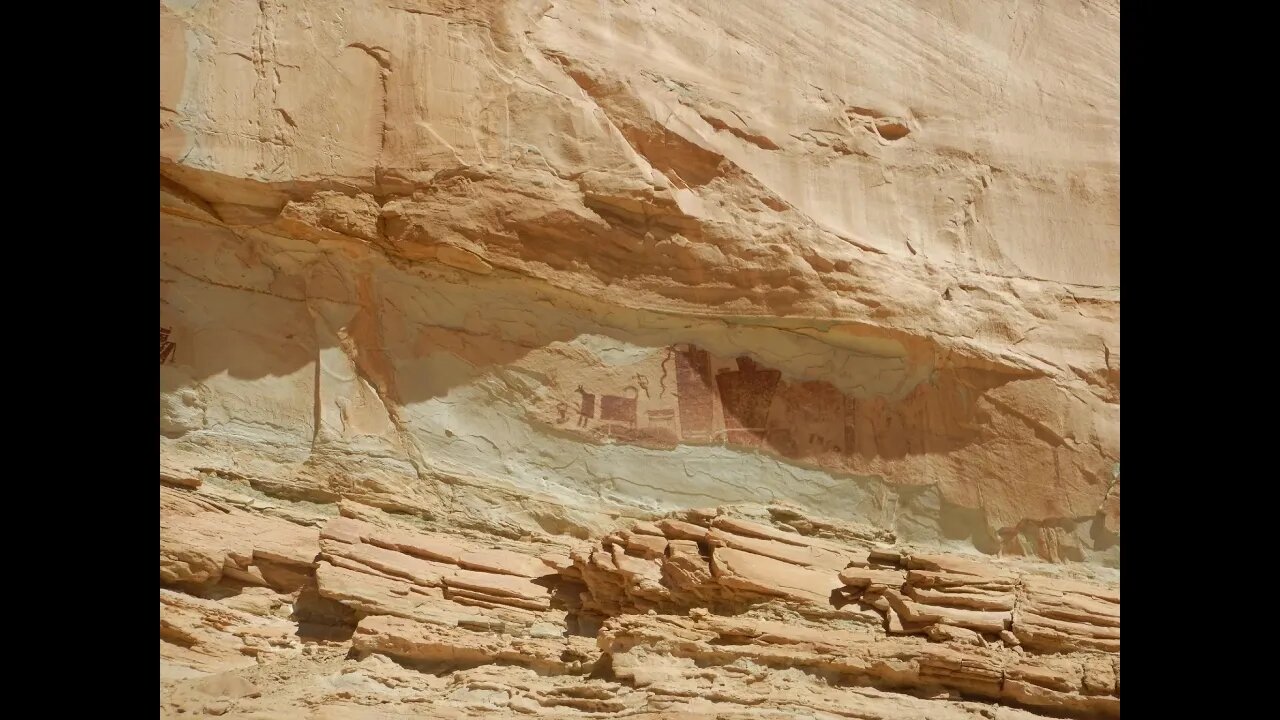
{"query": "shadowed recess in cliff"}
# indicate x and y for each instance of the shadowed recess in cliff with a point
(259, 312)
(348, 351)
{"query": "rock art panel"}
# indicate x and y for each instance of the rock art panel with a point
(811, 419)
(741, 403)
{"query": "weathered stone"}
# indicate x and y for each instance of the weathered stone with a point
(442, 645)
(647, 545)
(452, 293)
(746, 571)
(873, 579)
(975, 600)
(681, 530)
(807, 556)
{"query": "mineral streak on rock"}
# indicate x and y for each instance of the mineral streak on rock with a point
(645, 358)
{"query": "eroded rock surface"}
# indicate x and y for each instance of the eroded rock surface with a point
(643, 620)
(639, 357)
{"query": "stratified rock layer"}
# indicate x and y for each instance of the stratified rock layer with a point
(466, 308)
(673, 616)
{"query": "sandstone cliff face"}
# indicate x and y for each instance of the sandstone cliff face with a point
(466, 306)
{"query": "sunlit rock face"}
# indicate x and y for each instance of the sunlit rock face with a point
(526, 274)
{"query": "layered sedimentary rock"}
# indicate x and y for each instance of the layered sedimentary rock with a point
(468, 307)
(672, 616)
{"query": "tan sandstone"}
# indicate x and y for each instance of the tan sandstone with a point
(639, 358)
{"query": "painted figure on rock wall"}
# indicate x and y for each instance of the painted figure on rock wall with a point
(807, 420)
(746, 394)
(694, 390)
(167, 347)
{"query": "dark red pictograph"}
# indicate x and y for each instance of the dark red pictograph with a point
(167, 347)
(615, 408)
(693, 388)
(807, 419)
(746, 394)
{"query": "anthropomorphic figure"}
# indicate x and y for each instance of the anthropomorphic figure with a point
(167, 347)
(587, 409)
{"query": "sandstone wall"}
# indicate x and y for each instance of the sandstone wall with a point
(404, 242)
(536, 270)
